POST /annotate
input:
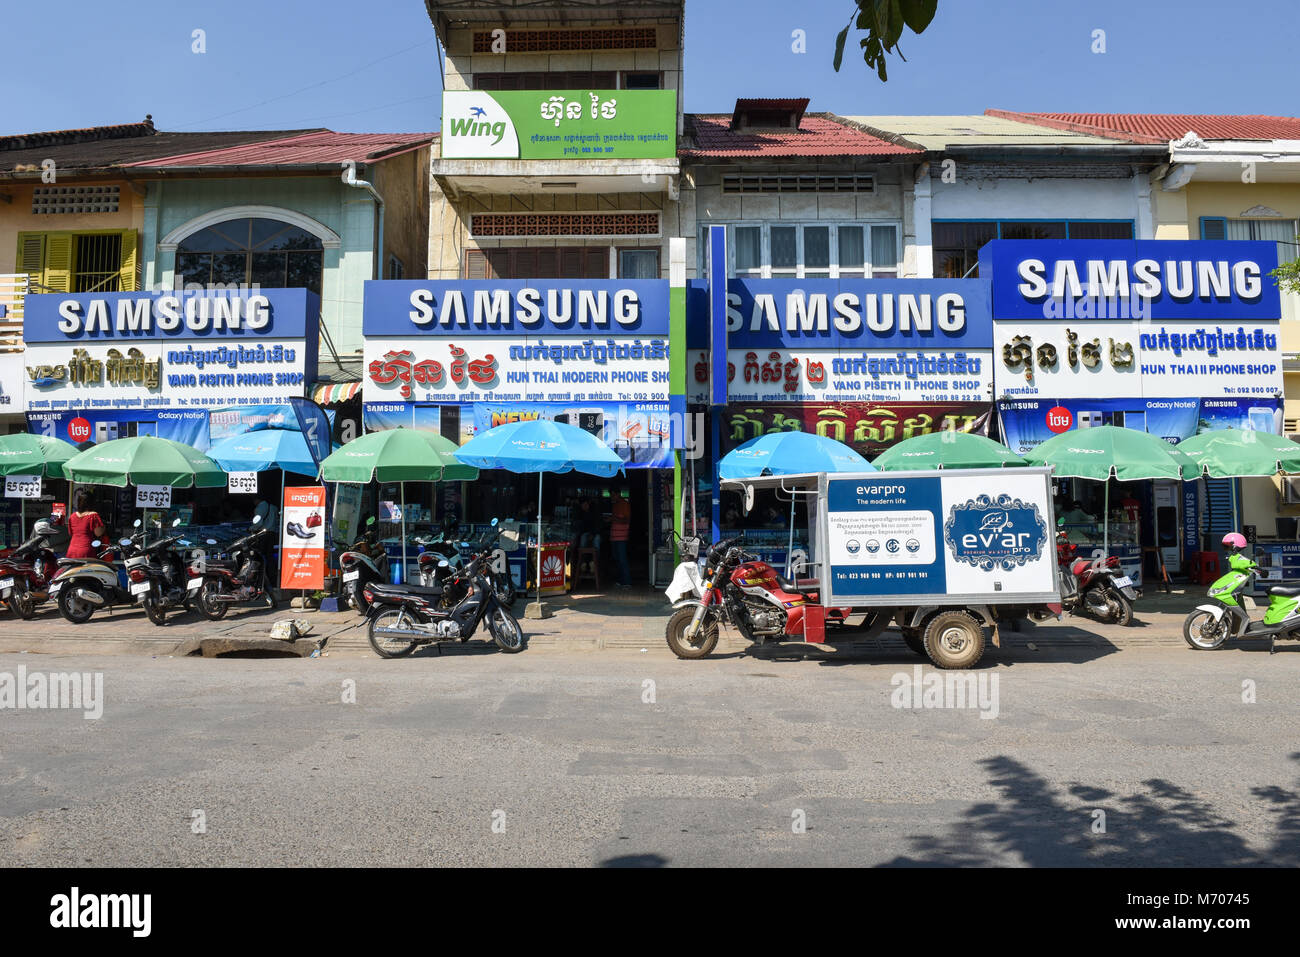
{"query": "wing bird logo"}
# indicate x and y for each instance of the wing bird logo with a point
(477, 111)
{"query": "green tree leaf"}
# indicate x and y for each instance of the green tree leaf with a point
(884, 22)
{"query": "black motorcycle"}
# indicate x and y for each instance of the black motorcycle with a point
(157, 577)
(237, 578)
(403, 617)
(441, 557)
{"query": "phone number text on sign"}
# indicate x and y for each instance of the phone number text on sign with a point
(153, 496)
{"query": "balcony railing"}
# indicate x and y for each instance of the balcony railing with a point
(13, 290)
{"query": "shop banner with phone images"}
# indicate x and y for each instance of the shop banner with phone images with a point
(1026, 423)
(868, 428)
(639, 432)
(516, 340)
(235, 420)
(187, 426)
(850, 340)
(302, 538)
(168, 349)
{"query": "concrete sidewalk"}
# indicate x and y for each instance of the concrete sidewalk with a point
(629, 622)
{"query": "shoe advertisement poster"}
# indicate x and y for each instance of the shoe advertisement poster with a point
(302, 538)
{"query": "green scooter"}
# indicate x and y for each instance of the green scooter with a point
(1209, 626)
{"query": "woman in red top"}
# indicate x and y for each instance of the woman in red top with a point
(84, 526)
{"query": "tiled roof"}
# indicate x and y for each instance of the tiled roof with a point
(944, 132)
(316, 148)
(102, 149)
(710, 135)
(1163, 127)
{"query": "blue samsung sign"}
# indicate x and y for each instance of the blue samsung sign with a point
(126, 316)
(516, 307)
(1151, 279)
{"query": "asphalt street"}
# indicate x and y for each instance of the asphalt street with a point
(555, 757)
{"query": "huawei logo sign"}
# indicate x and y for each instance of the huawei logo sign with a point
(552, 565)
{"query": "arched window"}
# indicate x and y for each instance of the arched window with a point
(265, 252)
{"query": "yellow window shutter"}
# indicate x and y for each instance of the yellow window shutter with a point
(31, 255)
(127, 280)
(58, 262)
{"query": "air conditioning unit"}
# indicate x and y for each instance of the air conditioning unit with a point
(1291, 491)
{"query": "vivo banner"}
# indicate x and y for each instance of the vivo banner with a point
(169, 349)
(855, 340)
(517, 340)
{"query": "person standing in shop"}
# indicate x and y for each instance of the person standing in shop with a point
(620, 525)
(85, 526)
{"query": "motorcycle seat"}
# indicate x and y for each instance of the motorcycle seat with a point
(1285, 591)
(82, 561)
(402, 591)
(801, 586)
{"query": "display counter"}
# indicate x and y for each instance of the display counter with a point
(1123, 544)
(1279, 563)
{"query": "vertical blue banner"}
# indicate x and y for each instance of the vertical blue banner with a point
(717, 274)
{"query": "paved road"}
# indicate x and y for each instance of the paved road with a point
(581, 765)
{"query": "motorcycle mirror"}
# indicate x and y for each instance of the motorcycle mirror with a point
(96, 543)
(123, 541)
(496, 522)
(749, 498)
(176, 521)
(443, 564)
(136, 523)
(370, 521)
(212, 541)
(257, 519)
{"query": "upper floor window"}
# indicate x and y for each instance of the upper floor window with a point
(538, 262)
(957, 243)
(1281, 231)
(263, 252)
(812, 250)
(548, 80)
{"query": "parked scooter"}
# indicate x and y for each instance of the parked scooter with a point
(1208, 626)
(1094, 586)
(82, 585)
(448, 548)
(157, 576)
(403, 617)
(240, 579)
(366, 562)
(26, 571)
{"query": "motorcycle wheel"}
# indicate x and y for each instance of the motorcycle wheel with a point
(154, 609)
(506, 631)
(269, 593)
(356, 598)
(387, 646)
(73, 608)
(21, 602)
(954, 640)
(1202, 632)
(504, 588)
(915, 641)
(1123, 614)
(206, 602)
(706, 639)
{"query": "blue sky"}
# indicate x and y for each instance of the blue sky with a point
(280, 64)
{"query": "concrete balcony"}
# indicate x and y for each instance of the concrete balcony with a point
(496, 177)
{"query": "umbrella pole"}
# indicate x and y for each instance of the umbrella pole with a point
(402, 493)
(789, 551)
(1105, 522)
(537, 609)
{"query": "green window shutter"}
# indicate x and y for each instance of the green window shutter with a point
(31, 255)
(58, 261)
(127, 278)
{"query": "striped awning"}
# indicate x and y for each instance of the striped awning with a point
(331, 393)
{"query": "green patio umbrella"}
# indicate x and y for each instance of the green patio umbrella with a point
(1108, 451)
(948, 449)
(397, 455)
(25, 454)
(1238, 453)
(144, 460)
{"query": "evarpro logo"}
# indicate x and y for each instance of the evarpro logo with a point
(476, 126)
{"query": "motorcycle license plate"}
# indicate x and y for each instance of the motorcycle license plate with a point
(352, 575)
(139, 588)
(194, 584)
(1124, 582)
(6, 584)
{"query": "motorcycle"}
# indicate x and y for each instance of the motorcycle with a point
(158, 577)
(216, 584)
(1207, 627)
(735, 588)
(1094, 586)
(403, 617)
(26, 571)
(83, 584)
(444, 550)
(365, 562)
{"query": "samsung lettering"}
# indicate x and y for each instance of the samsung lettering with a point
(164, 313)
(595, 308)
(1182, 280)
(847, 312)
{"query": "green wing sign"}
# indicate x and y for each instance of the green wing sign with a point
(559, 124)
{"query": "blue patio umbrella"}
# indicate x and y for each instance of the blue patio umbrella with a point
(790, 453)
(539, 445)
(264, 449)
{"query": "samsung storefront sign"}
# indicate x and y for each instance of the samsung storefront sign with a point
(169, 349)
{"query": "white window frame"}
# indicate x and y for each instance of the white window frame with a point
(765, 270)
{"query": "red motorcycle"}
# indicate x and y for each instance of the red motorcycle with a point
(1094, 586)
(739, 590)
(25, 571)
